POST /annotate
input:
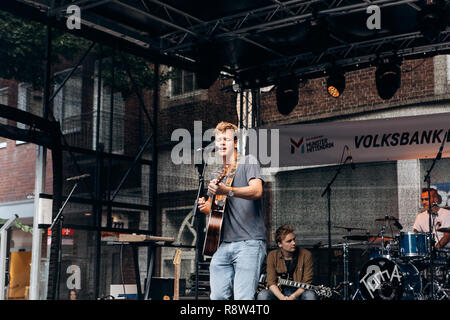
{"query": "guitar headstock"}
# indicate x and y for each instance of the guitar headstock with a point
(177, 257)
(324, 291)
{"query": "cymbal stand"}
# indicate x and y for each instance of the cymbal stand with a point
(380, 234)
(346, 269)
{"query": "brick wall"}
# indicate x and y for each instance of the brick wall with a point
(18, 171)
(360, 95)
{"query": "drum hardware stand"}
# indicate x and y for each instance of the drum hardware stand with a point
(380, 234)
(430, 225)
(346, 283)
(346, 270)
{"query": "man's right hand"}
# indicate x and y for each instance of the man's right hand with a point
(203, 205)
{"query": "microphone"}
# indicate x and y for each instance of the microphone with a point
(350, 158)
(78, 177)
(205, 148)
(439, 155)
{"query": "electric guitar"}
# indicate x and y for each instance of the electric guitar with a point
(176, 278)
(212, 237)
(319, 290)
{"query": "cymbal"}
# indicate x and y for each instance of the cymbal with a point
(367, 237)
(443, 229)
(349, 228)
(378, 239)
(385, 219)
(358, 237)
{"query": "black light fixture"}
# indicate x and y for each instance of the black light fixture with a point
(432, 19)
(287, 94)
(208, 64)
(388, 78)
(336, 84)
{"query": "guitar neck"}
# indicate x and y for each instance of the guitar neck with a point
(176, 287)
(290, 283)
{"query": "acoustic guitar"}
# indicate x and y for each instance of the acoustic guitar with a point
(214, 228)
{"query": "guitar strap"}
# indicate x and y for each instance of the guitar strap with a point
(221, 199)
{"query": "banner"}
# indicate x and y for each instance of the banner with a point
(415, 137)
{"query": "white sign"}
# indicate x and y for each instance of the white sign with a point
(415, 137)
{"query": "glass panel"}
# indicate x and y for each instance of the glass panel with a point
(188, 78)
(177, 82)
(78, 259)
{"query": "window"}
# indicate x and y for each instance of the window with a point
(117, 115)
(4, 101)
(28, 100)
(67, 103)
(182, 83)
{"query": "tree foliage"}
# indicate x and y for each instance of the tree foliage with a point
(22, 56)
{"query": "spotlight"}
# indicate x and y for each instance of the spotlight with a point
(432, 19)
(208, 64)
(388, 79)
(287, 94)
(336, 84)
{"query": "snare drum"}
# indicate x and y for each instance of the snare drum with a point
(385, 279)
(413, 244)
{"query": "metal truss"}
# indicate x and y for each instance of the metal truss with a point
(278, 15)
(182, 31)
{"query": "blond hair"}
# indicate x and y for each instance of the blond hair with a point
(224, 126)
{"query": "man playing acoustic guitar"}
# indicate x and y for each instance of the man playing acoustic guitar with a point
(288, 262)
(235, 266)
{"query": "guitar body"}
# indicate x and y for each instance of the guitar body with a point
(214, 229)
(321, 291)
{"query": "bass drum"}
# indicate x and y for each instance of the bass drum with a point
(385, 279)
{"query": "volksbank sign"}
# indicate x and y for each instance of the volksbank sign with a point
(415, 137)
(400, 138)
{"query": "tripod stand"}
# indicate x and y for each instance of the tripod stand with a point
(201, 181)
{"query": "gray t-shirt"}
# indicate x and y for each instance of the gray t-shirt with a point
(243, 219)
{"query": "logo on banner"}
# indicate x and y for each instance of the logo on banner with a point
(297, 144)
(310, 145)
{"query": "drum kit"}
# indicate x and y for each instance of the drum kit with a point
(398, 268)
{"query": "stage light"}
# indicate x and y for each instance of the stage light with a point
(336, 84)
(432, 19)
(388, 79)
(208, 64)
(287, 94)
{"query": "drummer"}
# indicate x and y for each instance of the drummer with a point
(440, 218)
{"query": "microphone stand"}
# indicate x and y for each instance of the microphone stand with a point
(327, 191)
(201, 182)
(430, 224)
(59, 220)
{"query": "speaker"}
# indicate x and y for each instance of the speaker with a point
(161, 287)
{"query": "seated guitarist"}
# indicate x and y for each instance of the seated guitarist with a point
(288, 262)
(236, 265)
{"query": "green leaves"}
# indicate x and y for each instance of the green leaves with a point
(19, 226)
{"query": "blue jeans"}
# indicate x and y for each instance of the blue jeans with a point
(235, 269)
(266, 294)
